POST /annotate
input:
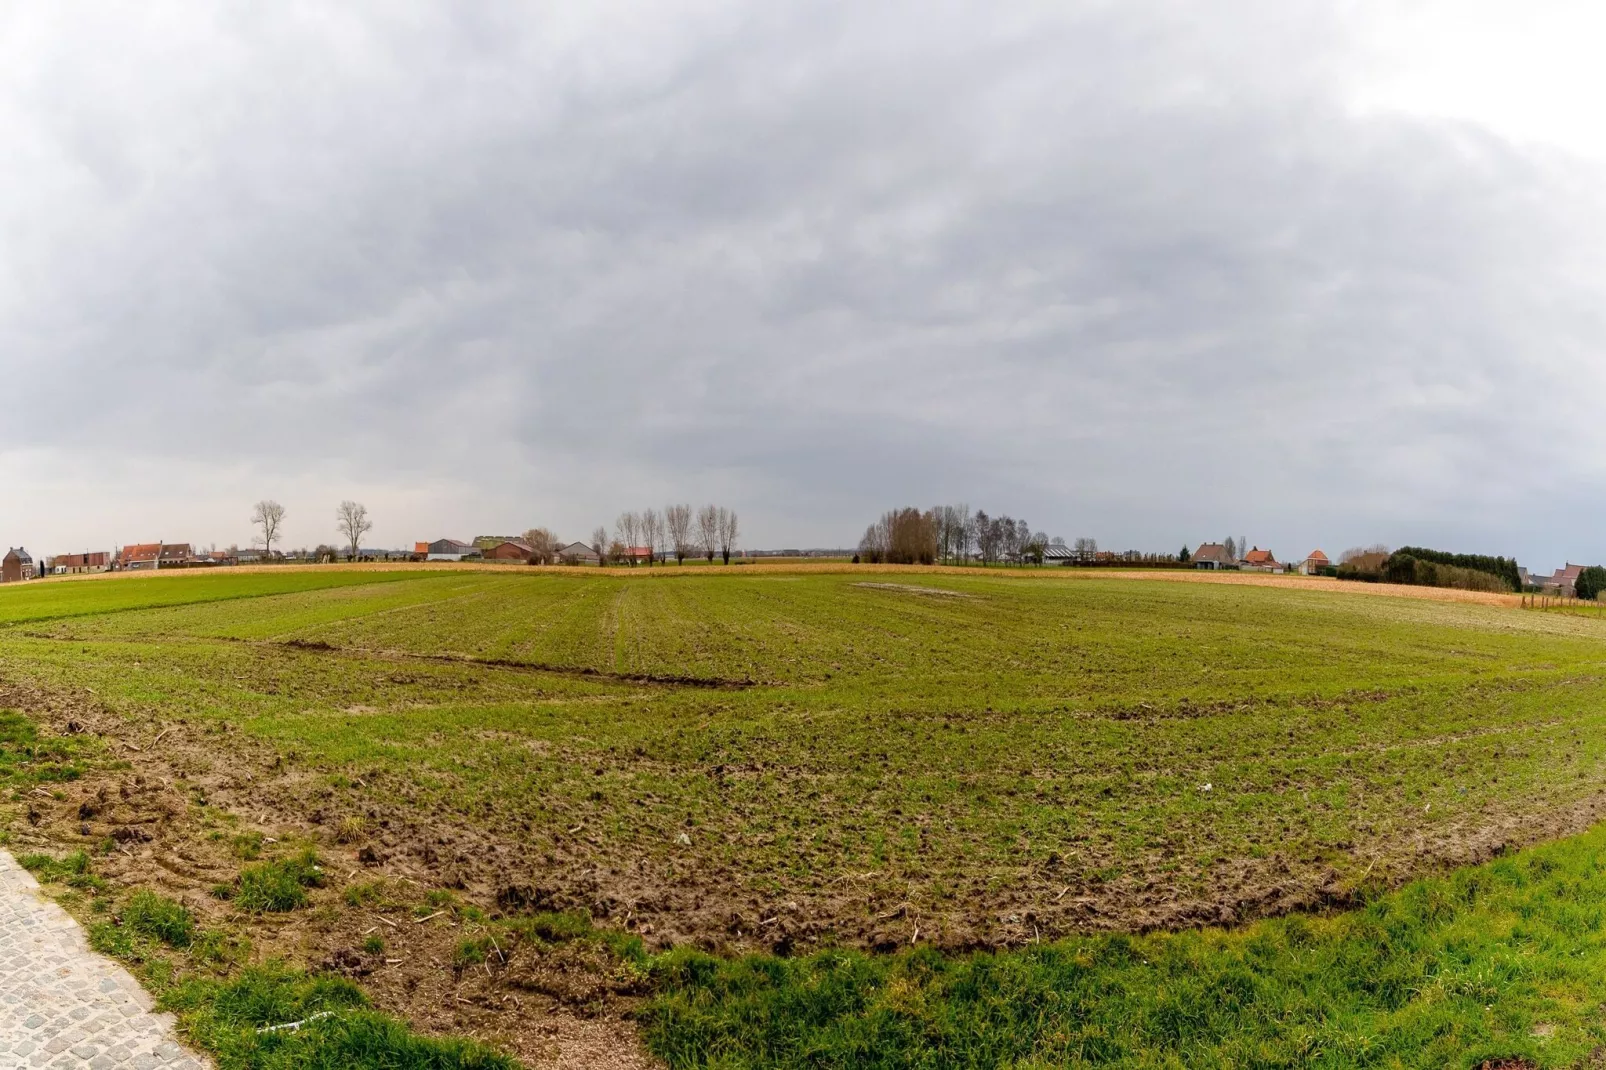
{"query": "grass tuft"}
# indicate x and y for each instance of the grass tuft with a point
(278, 886)
(73, 870)
(160, 918)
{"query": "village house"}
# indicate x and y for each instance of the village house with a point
(144, 556)
(71, 564)
(1258, 560)
(1315, 564)
(1213, 556)
(1563, 582)
(16, 566)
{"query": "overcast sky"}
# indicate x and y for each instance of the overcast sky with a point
(1318, 274)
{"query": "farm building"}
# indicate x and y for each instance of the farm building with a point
(17, 565)
(69, 564)
(1058, 555)
(508, 550)
(577, 553)
(1213, 555)
(449, 550)
(1314, 564)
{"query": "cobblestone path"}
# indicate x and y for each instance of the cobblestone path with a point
(61, 1004)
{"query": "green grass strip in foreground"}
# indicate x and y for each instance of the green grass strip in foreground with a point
(1501, 960)
(235, 1020)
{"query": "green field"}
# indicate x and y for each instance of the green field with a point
(816, 764)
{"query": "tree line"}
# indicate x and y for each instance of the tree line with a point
(678, 530)
(951, 533)
(1439, 568)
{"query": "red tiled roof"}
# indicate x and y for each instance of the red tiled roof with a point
(1317, 557)
(141, 551)
(1259, 557)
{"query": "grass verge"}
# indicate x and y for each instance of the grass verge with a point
(267, 1016)
(1504, 961)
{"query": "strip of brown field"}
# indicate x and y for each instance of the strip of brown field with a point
(1048, 573)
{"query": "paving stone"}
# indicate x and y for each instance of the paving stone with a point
(56, 994)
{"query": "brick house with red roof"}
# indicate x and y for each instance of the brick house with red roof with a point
(1258, 560)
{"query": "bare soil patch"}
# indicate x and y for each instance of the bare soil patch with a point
(909, 588)
(188, 789)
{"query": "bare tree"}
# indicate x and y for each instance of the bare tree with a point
(1034, 547)
(986, 537)
(1231, 547)
(1020, 540)
(708, 530)
(953, 531)
(543, 545)
(652, 534)
(902, 537)
(627, 530)
(599, 543)
(959, 532)
(269, 516)
(728, 530)
(1361, 551)
(352, 521)
(678, 519)
(873, 547)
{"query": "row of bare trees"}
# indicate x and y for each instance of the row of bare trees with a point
(901, 537)
(649, 536)
(680, 531)
(351, 520)
(950, 533)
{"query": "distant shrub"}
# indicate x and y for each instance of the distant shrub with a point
(1590, 583)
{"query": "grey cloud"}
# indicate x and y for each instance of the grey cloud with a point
(1130, 270)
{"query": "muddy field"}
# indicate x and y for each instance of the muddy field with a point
(781, 760)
